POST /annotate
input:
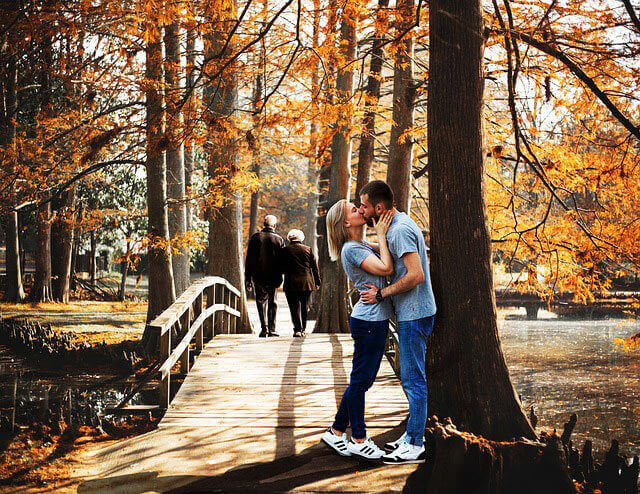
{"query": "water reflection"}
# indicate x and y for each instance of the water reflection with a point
(564, 366)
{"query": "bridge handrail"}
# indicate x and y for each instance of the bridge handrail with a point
(392, 347)
(190, 313)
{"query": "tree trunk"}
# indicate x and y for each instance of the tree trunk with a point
(92, 259)
(74, 252)
(122, 291)
(332, 313)
(175, 162)
(225, 223)
(161, 288)
(13, 290)
(61, 247)
(254, 145)
(41, 291)
(404, 92)
(188, 143)
(467, 374)
(311, 211)
(367, 146)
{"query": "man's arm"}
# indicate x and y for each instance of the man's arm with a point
(413, 277)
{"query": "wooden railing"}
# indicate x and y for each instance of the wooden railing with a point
(208, 307)
(392, 347)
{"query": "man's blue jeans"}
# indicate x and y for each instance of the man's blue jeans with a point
(369, 338)
(413, 336)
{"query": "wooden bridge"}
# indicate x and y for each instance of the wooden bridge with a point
(251, 411)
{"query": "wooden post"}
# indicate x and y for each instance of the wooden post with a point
(208, 324)
(235, 318)
(184, 361)
(197, 310)
(228, 303)
(165, 384)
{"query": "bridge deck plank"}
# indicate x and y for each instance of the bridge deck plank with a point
(249, 416)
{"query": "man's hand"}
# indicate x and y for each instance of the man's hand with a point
(248, 285)
(369, 296)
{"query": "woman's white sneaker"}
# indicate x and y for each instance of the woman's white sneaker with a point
(405, 453)
(367, 450)
(336, 442)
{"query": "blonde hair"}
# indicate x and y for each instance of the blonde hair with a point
(337, 233)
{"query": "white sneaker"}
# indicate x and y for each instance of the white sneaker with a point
(405, 453)
(335, 442)
(390, 446)
(367, 450)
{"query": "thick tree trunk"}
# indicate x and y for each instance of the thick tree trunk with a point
(122, 290)
(74, 252)
(161, 288)
(175, 162)
(13, 289)
(401, 146)
(467, 374)
(61, 247)
(332, 313)
(41, 291)
(224, 249)
(367, 145)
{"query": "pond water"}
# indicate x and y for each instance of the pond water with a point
(561, 367)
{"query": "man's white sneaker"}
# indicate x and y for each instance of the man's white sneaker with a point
(389, 447)
(367, 450)
(405, 453)
(336, 442)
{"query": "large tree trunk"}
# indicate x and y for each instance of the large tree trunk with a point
(13, 289)
(401, 145)
(122, 290)
(92, 259)
(225, 223)
(41, 291)
(467, 374)
(61, 247)
(367, 146)
(175, 162)
(161, 288)
(332, 314)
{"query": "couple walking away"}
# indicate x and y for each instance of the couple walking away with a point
(401, 255)
(268, 259)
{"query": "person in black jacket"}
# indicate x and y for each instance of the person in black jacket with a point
(263, 271)
(301, 277)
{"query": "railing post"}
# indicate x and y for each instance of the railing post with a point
(234, 322)
(208, 323)
(184, 361)
(165, 352)
(197, 310)
(228, 303)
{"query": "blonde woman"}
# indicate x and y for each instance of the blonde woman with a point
(368, 323)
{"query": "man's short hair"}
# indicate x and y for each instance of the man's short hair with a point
(270, 220)
(378, 191)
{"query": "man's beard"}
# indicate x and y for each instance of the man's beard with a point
(370, 220)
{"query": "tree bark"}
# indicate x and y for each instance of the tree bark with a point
(332, 314)
(401, 145)
(122, 290)
(367, 145)
(224, 249)
(161, 288)
(189, 145)
(175, 162)
(467, 375)
(254, 145)
(92, 260)
(13, 290)
(61, 247)
(41, 291)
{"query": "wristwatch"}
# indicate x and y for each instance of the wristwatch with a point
(379, 296)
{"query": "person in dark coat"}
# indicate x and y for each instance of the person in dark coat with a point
(301, 277)
(263, 271)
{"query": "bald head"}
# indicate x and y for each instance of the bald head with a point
(270, 221)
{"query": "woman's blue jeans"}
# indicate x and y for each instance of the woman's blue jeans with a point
(369, 338)
(413, 336)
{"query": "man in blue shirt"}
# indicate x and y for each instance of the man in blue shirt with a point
(412, 296)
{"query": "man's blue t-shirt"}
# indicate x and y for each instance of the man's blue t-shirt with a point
(352, 255)
(403, 237)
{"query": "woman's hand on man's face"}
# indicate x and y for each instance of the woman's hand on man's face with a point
(382, 225)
